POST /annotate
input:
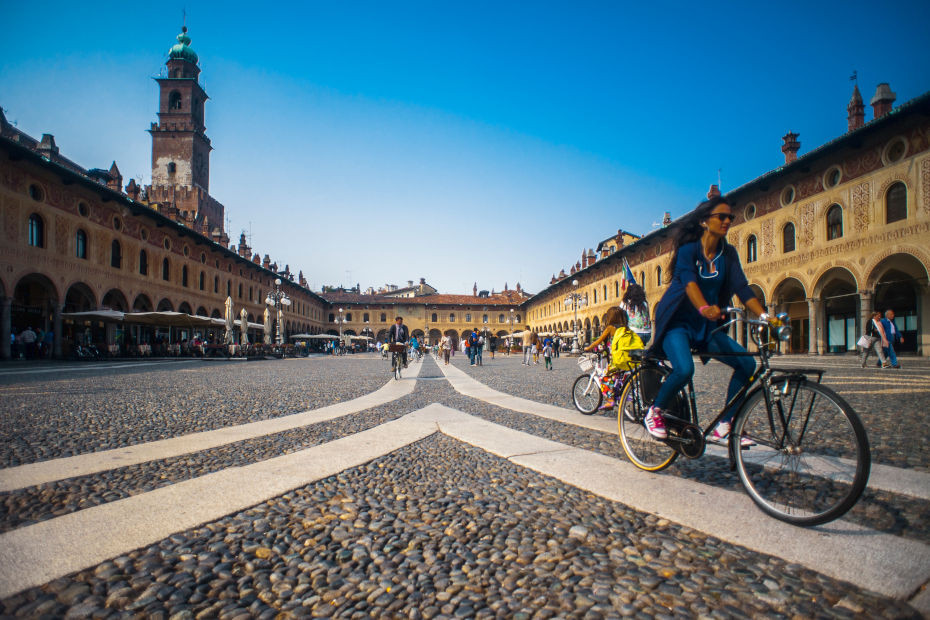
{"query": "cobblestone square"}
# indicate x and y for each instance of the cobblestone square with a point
(322, 487)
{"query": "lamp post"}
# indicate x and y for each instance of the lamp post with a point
(510, 342)
(575, 300)
(367, 332)
(340, 321)
(277, 299)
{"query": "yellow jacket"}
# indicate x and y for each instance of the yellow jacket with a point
(624, 340)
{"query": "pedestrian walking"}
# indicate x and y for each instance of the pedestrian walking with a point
(28, 338)
(547, 354)
(446, 347)
(527, 345)
(893, 336)
(873, 339)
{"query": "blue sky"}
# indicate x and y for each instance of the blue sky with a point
(374, 142)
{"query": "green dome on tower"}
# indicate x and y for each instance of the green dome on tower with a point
(182, 48)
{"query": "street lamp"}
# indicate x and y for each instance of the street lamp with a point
(277, 299)
(510, 342)
(366, 331)
(340, 321)
(575, 300)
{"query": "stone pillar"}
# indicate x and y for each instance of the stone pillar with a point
(815, 344)
(923, 314)
(865, 310)
(6, 326)
(56, 343)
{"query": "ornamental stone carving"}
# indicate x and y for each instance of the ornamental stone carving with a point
(768, 238)
(861, 200)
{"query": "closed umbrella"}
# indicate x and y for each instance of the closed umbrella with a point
(267, 325)
(228, 336)
(244, 327)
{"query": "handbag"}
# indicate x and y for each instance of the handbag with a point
(866, 342)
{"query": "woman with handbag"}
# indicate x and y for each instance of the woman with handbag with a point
(874, 340)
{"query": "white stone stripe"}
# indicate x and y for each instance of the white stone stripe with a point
(36, 554)
(882, 478)
(92, 462)
(93, 366)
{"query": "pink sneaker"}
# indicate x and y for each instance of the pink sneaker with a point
(655, 426)
(722, 433)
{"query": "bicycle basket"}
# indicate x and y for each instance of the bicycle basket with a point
(397, 347)
(586, 364)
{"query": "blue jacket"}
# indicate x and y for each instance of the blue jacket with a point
(685, 270)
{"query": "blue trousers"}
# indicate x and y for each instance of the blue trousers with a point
(677, 347)
(890, 354)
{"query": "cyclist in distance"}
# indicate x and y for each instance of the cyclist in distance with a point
(705, 273)
(398, 334)
(415, 345)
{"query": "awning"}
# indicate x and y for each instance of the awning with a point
(314, 337)
(95, 315)
(156, 319)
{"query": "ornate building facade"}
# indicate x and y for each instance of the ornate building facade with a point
(827, 238)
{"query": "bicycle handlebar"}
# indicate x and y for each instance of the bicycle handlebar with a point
(782, 332)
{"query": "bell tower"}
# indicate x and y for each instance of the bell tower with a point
(180, 186)
(180, 148)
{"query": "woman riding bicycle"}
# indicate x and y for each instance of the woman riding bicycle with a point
(705, 274)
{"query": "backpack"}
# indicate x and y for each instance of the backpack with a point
(472, 339)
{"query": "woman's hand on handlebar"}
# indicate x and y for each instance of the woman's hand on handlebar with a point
(711, 312)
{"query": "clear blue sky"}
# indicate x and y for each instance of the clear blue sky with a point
(378, 142)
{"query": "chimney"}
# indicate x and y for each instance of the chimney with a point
(244, 249)
(266, 262)
(619, 238)
(791, 146)
(713, 192)
(47, 145)
(855, 110)
(667, 219)
(116, 179)
(133, 190)
(257, 259)
(881, 102)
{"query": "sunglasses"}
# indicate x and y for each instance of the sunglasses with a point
(723, 217)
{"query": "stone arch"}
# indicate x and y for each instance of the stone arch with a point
(142, 303)
(165, 305)
(872, 267)
(435, 336)
(838, 290)
(216, 314)
(899, 283)
(80, 298)
(418, 334)
(185, 308)
(896, 178)
(382, 335)
(818, 279)
(115, 300)
(201, 311)
(454, 336)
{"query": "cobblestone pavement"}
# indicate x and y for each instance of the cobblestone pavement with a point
(876, 395)
(51, 415)
(436, 529)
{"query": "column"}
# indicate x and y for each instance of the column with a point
(6, 326)
(815, 321)
(56, 342)
(865, 310)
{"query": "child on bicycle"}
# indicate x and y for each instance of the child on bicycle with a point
(620, 339)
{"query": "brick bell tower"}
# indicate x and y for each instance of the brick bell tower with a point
(181, 148)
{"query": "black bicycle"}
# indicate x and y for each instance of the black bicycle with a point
(397, 357)
(811, 459)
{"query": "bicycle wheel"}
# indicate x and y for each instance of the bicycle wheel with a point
(586, 394)
(644, 450)
(397, 366)
(812, 460)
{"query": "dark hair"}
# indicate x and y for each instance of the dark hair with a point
(616, 317)
(691, 229)
(634, 297)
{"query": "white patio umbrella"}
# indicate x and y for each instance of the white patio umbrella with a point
(244, 327)
(267, 325)
(228, 316)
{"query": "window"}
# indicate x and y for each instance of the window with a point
(216, 284)
(452, 317)
(174, 100)
(36, 231)
(616, 289)
(517, 318)
(332, 317)
(201, 280)
(143, 263)
(240, 290)
(165, 270)
(832, 177)
(383, 317)
(595, 295)
(229, 288)
(36, 193)
(172, 167)
(787, 196)
(348, 316)
(788, 238)
(752, 251)
(116, 255)
(659, 275)
(184, 276)
(500, 318)
(896, 203)
(605, 292)
(80, 244)
(484, 318)
(834, 222)
(749, 212)
(468, 318)
(434, 318)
